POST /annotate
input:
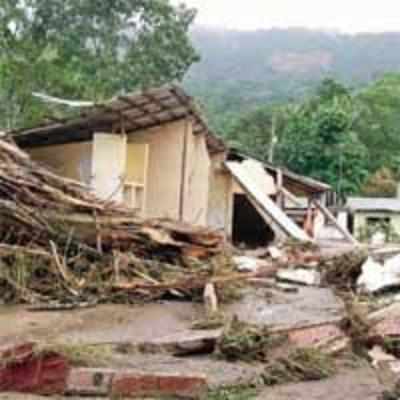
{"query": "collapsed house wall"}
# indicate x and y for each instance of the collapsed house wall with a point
(177, 171)
(167, 165)
(250, 175)
(197, 179)
(220, 200)
(72, 160)
(163, 177)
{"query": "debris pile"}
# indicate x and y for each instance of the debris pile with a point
(300, 365)
(241, 341)
(61, 247)
(59, 242)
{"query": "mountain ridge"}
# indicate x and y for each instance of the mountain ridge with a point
(241, 70)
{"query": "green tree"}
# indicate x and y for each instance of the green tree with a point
(88, 48)
(317, 137)
(320, 140)
(379, 123)
(256, 133)
(381, 184)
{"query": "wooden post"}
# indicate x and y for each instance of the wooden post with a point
(333, 220)
(279, 187)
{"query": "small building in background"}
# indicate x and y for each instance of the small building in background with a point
(374, 219)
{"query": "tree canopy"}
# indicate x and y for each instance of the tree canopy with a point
(319, 137)
(87, 49)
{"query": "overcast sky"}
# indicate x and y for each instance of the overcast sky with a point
(343, 15)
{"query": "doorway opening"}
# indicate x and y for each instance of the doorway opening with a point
(249, 228)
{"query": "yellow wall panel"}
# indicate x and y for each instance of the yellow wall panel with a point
(73, 160)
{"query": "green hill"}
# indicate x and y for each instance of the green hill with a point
(241, 70)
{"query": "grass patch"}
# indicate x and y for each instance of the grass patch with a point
(300, 365)
(343, 271)
(392, 346)
(356, 324)
(79, 355)
(213, 321)
(233, 393)
(244, 342)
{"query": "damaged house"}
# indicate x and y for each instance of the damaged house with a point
(153, 151)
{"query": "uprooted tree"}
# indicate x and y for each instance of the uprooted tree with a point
(87, 49)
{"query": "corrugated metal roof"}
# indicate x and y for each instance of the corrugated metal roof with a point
(290, 178)
(373, 204)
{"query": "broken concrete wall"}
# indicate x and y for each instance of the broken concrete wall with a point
(177, 172)
(164, 172)
(252, 178)
(197, 179)
(220, 201)
(109, 166)
(72, 160)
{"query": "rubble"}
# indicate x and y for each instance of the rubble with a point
(22, 370)
(343, 271)
(133, 384)
(300, 276)
(329, 338)
(184, 343)
(299, 366)
(376, 276)
(275, 253)
(386, 321)
(58, 242)
(29, 369)
(249, 264)
(353, 384)
(61, 248)
(210, 299)
(241, 341)
(379, 355)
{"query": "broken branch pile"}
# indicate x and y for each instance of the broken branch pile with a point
(57, 240)
(38, 206)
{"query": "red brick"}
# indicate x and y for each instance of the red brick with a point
(136, 384)
(327, 337)
(125, 384)
(185, 387)
(24, 371)
(388, 327)
(89, 381)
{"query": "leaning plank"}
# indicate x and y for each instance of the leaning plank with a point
(348, 236)
(271, 213)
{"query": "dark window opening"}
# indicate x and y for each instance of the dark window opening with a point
(350, 223)
(377, 221)
(249, 228)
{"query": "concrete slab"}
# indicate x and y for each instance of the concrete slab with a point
(359, 384)
(309, 306)
(100, 325)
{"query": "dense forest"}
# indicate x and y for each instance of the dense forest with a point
(321, 103)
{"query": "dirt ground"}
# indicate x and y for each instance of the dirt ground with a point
(359, 384)
(134, 324)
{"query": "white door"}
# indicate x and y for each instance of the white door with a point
(109, 165)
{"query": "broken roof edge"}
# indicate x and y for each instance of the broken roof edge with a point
(315, 184)
(373, 204)
(139, 110)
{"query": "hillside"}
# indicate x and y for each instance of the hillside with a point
(240, 70)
